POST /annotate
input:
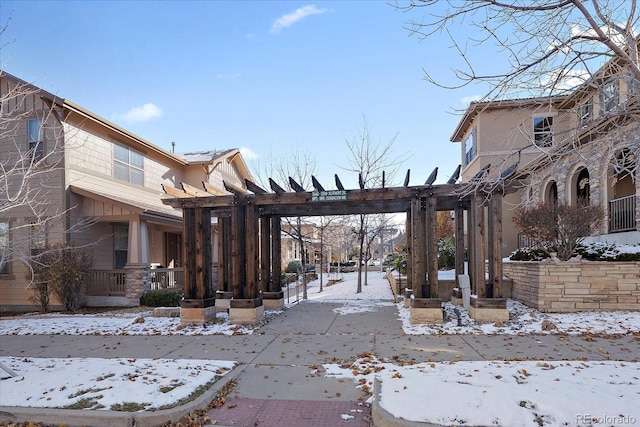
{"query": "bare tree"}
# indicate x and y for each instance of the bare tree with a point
(323, 225)
(294, 168)
(29, 172)
(547, 47)
(543, 53)
(376, 166)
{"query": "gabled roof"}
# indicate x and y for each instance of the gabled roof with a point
(213, 157)
(476, 108)
(69, 107)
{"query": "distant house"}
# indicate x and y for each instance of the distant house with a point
(99, 185)
(580, 146)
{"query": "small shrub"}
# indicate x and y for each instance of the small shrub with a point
(529, 254)
(599, 251)
(293, 267)
(446, 253)
(65, 271)
(40, 295)
(560, 225)
(162, 298)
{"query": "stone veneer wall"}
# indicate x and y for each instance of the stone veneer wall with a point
(575, 286)
(138, 282)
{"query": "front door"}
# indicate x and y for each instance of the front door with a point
(173, 243)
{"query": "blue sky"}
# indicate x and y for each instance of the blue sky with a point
(265, 76)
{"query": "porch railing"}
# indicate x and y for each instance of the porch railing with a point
(113, 282)
(107, 283)
(622, 214)
(167, 278)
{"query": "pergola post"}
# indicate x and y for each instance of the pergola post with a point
(198, 305)
(276, 254)
(224, 292)
(425, 306)
(432, 247)
(481, 308)
(495, 245)
(476, 246)
(271, 291)
(459, 263)
(418, 244)
(265, 253)
(409, 273)
(246, 305)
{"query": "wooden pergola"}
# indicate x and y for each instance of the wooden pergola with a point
(249, 230)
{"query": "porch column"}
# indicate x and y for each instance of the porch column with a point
(137, 269)
(138, 243)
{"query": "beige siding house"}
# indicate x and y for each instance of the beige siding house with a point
(93, 183)
(584, 145)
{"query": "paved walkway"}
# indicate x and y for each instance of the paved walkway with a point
(277, 381)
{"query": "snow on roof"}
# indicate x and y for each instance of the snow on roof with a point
(203, 156)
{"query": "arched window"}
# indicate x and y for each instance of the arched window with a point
(551, 196)
(582, 186)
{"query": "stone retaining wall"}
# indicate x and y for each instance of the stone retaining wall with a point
(575, 286)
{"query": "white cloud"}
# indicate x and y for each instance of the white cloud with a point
(248, 153)
(142, 114)
(291, 18)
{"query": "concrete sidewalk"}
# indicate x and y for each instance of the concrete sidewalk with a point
(280, 380)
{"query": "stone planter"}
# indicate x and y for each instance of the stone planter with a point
(572, 286)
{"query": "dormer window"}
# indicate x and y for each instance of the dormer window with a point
(543, 131)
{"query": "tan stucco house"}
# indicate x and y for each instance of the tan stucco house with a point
(93, 183)
(582, 145)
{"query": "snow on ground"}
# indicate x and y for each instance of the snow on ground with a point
(93, 383)
(527, 393)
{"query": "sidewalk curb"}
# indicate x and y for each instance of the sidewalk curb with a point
(99, 418)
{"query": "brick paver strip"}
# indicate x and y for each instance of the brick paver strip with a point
(297, 413)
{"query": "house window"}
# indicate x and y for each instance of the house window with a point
(543, 131)
(470, 147)
(585, 112)
(609, 96)
(36, 138)
(128, 165)
(4, 247)
(120, 246)
(583, 187)
(37, 238)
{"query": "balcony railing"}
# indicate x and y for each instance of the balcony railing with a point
(107, 283)
(622, 214)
